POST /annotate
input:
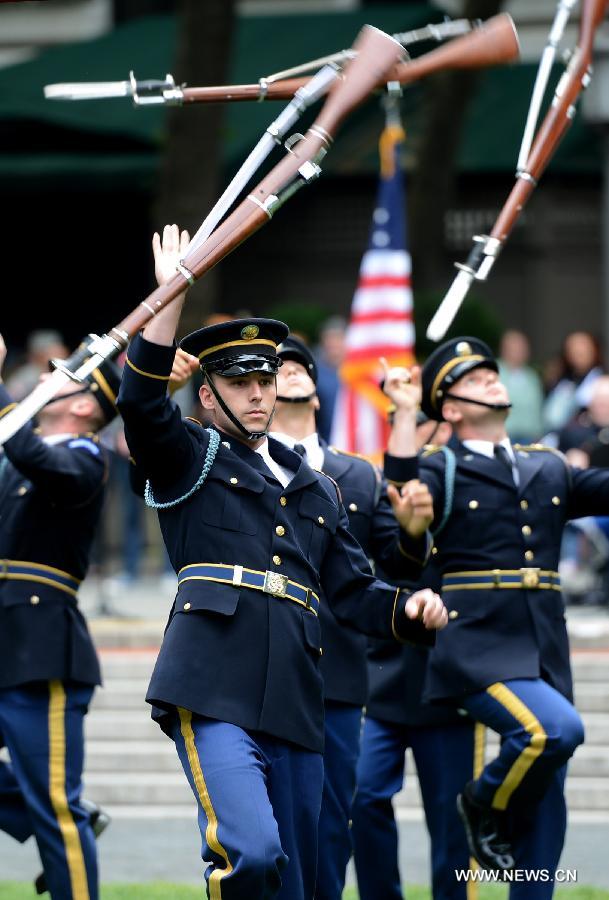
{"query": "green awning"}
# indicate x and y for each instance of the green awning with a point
(110, 142)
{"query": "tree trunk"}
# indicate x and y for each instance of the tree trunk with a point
(447, 98)
(192, 157)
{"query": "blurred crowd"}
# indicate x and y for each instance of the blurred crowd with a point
(563, 403)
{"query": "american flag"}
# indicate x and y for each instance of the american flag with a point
(381, 322)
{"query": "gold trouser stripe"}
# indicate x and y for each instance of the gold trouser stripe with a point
(211, 832)
(535, 748)
(471, 890)
(57, 790)
(479, 748)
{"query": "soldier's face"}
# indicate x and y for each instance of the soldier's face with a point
(480, 384)
(250, 398)
(293, 380)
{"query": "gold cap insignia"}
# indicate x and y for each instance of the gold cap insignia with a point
(249, 332)
(463, 349)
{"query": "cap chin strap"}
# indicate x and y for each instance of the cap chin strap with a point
(297, 399)
(83, 390)
(248, 435)
(495, 406)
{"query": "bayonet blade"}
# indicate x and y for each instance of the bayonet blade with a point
(91, 90)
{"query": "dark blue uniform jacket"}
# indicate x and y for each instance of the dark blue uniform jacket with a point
(373, 525)
(237, 654)
(497, 633)
(51, 497)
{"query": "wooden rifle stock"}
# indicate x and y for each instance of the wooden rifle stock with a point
(377, 54)
(557, 119)
(487, 247)
(493, 43)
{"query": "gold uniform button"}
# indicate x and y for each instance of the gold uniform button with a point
(321, 520)
(434, 550)
(187, 606)
(526, 530)
(234, 480)
(22, 490)
(321, 651)
(277, 560)
(353, 507)
(34, 600)
(283, 501)
(453, 614)
(524, 504)
(556, 501)
(280, 530)
(473, 504)
(528, 555)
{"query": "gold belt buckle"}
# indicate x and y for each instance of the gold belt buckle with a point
(530, 577)
(275, 584)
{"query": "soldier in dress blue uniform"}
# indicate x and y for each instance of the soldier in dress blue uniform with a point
(259, 540)
(51, 493)
(401, 551)
(504, 655)
(447, 746)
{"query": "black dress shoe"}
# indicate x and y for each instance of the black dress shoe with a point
(484, 829)
(99, 821)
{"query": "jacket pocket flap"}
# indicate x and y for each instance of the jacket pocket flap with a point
(321, 511)
(199, 595)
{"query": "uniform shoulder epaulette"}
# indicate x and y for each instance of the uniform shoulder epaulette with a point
(195, 421)
(430, 449)
(542, 448)
(352, 453)
(329, 477)
(87, 442)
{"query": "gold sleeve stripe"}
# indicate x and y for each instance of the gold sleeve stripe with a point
(57, 789)
(409, 555)
(535, 748)
(211, 832)
(395, 604)
(147, 374)
(7, 409)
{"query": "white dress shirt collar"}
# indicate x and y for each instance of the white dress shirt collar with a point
(315, 453)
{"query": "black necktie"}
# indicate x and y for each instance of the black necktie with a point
(503, 456)
(298, 448)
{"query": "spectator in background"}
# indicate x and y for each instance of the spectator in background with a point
(42, 345)
(330, 354)
(588, 432)
(523, 385)
(580, 367)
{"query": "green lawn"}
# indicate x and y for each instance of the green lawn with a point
(12, 890)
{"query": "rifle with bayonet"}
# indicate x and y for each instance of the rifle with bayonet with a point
(555, 125)
(376, 55)
(489, 43)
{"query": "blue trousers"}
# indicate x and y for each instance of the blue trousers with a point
(540, 731)
(42, 727)
(259, 800)
(343, 724)
(445, 759)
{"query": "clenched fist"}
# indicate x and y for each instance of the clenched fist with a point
(412, 506)
(428, 608)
